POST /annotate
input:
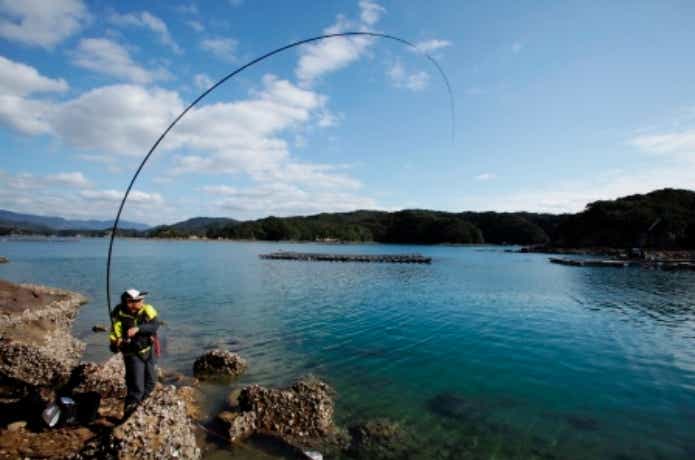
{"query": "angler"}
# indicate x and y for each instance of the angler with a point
(134, 333)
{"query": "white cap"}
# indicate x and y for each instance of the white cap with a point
(135, 294)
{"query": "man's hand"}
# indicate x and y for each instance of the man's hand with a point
(132, 331)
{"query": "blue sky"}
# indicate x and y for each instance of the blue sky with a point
(558, 104)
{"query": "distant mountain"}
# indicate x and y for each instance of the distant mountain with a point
(46, 223)
(198, 226)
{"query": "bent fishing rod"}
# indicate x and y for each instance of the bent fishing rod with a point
(229, 76)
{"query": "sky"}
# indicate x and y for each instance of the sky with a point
(557, 104)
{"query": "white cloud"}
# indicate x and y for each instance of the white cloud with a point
(72, 179)
(122, 119)
(370, 12)
(115, 196)
(219, 189)
(19, 79)
(485, 177)
(17, 82)
(286, 199)
(429, 46)
(196, 25)
(327, 119)
(221, 47)
(202, 81)
(107, 57)
(332, 54)
(41, 23)
(145, 19)
(573, 195)
(400, 78)
(682, 142)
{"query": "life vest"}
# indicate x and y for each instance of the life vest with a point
(124, 320)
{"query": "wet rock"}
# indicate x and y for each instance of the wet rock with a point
(54, 444)
(4, 260)
(159, 428)
(107, 379)
(36, 347)
(219, 363)
(99, 328)
(241, 425)
(301, 415)
(380, 439)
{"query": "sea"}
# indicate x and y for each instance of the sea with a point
(484, 353)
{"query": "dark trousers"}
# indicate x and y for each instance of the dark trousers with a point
(140, 377)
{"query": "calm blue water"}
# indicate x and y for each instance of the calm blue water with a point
(483, 353)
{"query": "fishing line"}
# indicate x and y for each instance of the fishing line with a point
(227, 77)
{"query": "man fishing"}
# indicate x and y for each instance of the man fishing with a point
(133, 333)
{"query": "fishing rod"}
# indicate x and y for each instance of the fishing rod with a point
(227, 77)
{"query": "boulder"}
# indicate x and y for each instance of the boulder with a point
(4, 260)
(219, 363)
(159, 428)
(107, 379)
(36, 346)
(301, 415)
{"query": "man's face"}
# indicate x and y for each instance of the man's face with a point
(134, 305)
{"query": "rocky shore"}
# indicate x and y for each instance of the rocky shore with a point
(40, 362)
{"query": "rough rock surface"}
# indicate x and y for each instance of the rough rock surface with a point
(380, 439)
(159, 428)
(36, 347)
(107, 379)
(301, 415)
(219, 363)
(58, 443)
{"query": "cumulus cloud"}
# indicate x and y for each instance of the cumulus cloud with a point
(223, 48)
(123, 119)
(401, 78)
(21, 80)
(318, 59)
(17, 82)
(41, 23)
(107, 57)
(145, 19)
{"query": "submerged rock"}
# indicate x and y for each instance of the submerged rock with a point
(301, 415)
(380, 439)
(99, 328)
(219, 363)
(455, 406)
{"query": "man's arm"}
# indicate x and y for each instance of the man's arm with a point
(151, 324)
